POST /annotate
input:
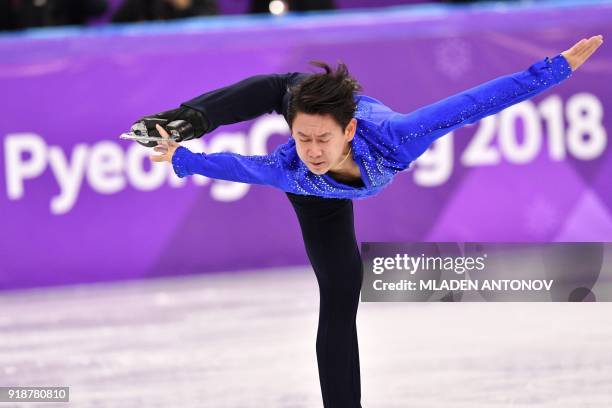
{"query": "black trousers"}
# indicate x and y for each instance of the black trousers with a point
(329, 237)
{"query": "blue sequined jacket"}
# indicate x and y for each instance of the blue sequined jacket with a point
(385, 143)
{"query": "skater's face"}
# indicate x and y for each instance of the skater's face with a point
(320, 141)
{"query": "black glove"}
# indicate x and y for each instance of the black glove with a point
(184, 122)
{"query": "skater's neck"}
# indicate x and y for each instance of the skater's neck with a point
(347, 169)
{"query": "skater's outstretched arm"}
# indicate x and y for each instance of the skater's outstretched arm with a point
(224, 165)
(416, 131)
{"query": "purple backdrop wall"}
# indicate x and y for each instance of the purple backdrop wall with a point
(80, 205)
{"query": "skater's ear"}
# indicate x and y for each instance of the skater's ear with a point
(351, 128)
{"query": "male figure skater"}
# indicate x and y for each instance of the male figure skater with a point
(343, 146)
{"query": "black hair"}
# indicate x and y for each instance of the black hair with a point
(331, 92)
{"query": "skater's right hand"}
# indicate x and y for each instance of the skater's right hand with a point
(165, 146)
(192, 116)
(582, 50)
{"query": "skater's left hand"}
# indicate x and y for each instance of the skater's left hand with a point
(582, 50)
(166, 147)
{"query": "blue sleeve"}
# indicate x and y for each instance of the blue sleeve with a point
(230, 166)
(411, 134)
